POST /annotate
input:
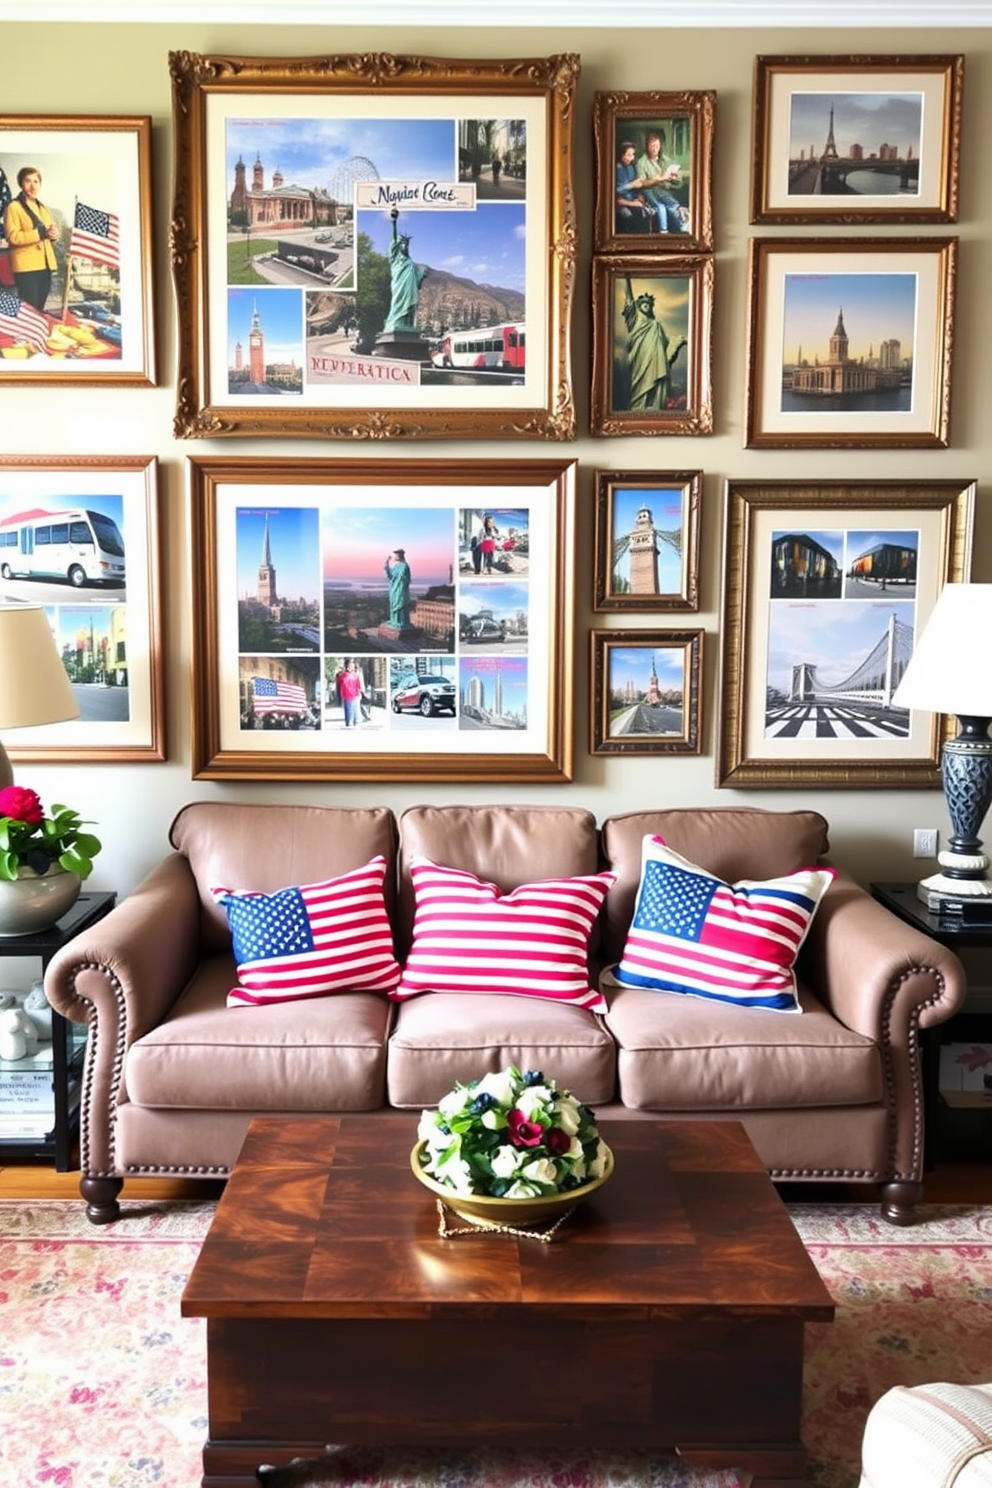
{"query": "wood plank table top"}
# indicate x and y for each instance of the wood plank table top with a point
(322, 1217)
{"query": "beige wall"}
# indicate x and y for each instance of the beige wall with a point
(99, 69)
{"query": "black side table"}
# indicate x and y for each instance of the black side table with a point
(946, 1129)
(67, 1048)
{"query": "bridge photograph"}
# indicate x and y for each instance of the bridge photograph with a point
(833, 668)
(864, 143)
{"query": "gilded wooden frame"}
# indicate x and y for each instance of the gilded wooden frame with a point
(683, 122)
(647, 540)
(825, 586)
(849, 343)
(97, 324)
(493, 624)
(680, 289)
(646, 691)
(109, 632)
(344, 372)
(892, 125)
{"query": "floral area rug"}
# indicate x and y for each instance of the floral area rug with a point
(103, 1384)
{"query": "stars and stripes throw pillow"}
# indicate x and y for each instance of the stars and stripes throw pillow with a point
(312, 940)
(531, 942)
(692, 933)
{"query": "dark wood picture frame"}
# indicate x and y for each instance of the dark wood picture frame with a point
(677, 213)
(647, 540)
(825, 585)
(854, 140)
(850, 342)
(646, 691)
(629, 352)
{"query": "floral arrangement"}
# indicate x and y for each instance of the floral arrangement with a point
(30, 839)
(511, 1136)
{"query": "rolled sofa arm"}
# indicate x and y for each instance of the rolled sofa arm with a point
(121, 976)
(873, 970)
(886, 980)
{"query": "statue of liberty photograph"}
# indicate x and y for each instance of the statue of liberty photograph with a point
(405, 279)
(398, 574)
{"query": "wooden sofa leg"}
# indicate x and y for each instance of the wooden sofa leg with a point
(899, 1201)
(101, 1195)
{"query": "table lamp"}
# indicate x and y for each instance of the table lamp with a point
(949, 672)
(34, 687)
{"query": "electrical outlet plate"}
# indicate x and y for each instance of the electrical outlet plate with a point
(925, 842)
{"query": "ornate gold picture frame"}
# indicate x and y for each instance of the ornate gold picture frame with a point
(825, 587)
(374, 246)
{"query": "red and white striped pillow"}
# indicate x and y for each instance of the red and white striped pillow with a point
(693, 934)
(312, 940)
(532, 942)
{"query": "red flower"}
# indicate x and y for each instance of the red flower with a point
(22, 805)
(557, 1141)
(523, 1133)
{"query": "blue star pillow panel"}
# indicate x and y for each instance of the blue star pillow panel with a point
(311, 940)
(695, 935)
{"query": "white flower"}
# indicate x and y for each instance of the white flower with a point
(598, 1165)
(506, 1160)
(455, 1172)
(534, 1101)
(427, 1130)
(493, 1119)
(569, 1116)
(540, 1170)
(522, 1190)
(498, 1084)
(455, 1101)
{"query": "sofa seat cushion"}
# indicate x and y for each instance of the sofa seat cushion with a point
(445, 1037)
(324, 1054)
(683, 1054)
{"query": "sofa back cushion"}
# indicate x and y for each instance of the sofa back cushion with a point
(506, 845)
(732, 842)
(265, 848)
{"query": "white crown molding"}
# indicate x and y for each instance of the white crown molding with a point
(901, 15)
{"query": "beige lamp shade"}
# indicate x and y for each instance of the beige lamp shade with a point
(34, 688)
(949, 670)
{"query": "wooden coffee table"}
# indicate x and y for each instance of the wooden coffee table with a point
(668, 1311)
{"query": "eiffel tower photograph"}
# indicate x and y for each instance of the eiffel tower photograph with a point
(855, 144)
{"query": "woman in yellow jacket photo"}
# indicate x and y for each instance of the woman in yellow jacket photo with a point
(31, 232)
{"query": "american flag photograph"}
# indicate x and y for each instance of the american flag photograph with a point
(94, 183)
(277, 697)
(96, 236)
(22, 321)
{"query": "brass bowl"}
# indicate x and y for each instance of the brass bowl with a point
(485, 1211)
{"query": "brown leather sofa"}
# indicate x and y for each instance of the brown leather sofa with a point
(173, 1075)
